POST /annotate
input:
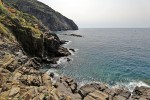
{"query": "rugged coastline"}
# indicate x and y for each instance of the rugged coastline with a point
(25, 47)
(21, 78)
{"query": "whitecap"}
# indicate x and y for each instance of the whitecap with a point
(56, 75)
(67, 43)
(131, 85)
(61, 61)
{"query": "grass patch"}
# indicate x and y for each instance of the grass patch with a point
(6, 33)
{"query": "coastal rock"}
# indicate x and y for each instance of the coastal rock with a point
(63, 42)
(75, 35)
(141, 93)
(63, 52)
(118, 97)
(34, 42)
(125, 94)
(4, 88)
(73, 50)
(46, 80)
(27, 97)
(14, 91)
(118, 92)
(84, 90)
(73, 87)
(88, 98)
(99, 95)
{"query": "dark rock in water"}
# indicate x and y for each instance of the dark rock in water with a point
(62, 52)
(52, 60)
(72, 50)
(51, 75)
(49, 17)
(63, 42)
(75, 35)
(68, 59)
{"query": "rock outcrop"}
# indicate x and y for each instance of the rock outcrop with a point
(34, 38)
(49, 17)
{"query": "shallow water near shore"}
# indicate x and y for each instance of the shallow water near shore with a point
(118, 57)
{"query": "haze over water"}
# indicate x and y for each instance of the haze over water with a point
(104, 13)
(109, 55)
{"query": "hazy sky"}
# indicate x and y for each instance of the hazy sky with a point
(104, 13)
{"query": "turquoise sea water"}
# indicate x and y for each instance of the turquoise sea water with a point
(109, 55)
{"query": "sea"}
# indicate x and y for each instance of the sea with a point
(118, 57)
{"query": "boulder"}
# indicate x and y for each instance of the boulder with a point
(46, 80)
(88, 88)
(73, 87)
(14, 91)
(125, 94)
(141, 93)
(68, 98)
(72, 49)
(4, 88)
(27, 97)
(84, 90)
(99, 95)
(113, 92)
(63, 42)
(119, 97)
(89, 98)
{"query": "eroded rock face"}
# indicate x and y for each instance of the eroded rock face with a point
(48, 45)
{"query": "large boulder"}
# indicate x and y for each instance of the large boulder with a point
(14, 91)
(142, 93)
(89, 88)
(99, 95)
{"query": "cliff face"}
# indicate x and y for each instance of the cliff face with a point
(30, 33)
(49, 17)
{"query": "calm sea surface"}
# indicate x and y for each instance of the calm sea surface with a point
(113, 56)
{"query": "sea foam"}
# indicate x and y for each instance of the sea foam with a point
(131, 85)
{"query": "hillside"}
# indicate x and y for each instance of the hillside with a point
(49, 17)
(24, 45)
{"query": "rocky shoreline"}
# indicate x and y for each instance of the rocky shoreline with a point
(21, 79)
(25, 46)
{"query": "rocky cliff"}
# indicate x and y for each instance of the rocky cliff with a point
(31, 34)
(49, 17)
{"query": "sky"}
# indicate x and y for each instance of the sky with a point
(104, 13)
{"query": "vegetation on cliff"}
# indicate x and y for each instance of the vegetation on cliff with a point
(49, 17)
(22, 35)
(35, 39)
